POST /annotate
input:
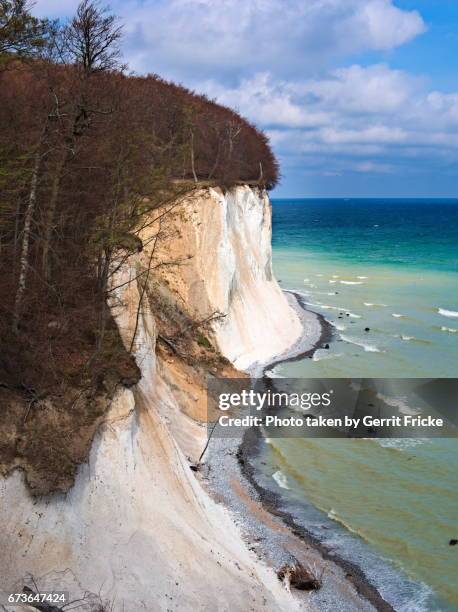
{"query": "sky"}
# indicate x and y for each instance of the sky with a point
(359, 97)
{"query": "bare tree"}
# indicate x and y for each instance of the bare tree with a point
(233, 130)
(91, 39)
(193, 164)
(91, 42)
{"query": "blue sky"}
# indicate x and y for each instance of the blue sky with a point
(359, 97)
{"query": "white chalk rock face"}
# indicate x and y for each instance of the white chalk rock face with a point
(227, 237)
(260, 323)
(136, 531)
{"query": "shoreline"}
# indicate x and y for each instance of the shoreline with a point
(302, 349)
(272, 502)
(316, 332)
(231, 479)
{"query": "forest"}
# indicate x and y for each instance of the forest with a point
(87, 149)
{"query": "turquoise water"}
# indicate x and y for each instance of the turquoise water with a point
(390, 266)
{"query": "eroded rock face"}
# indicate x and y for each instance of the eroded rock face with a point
(137, 530)
(48, 437)
(222, 242)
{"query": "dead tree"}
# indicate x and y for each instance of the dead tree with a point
(91, 39)
(299, 577)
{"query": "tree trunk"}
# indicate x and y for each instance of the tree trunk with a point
(215, 165)
(104, 287)
(78, 126)
(24, 258)
(49, 218)
(192, 158)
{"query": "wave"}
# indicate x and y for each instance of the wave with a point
(362, 277)
(334, 516)
(412, 339)
(369, 348)
(407, 600)
(280, 479)
(451, 330)
(338, 326)
(401, 403)
(318, 356)
(351, 282)
(397, 316)
(399, 444)
(338, 308)
(319, 305)
(332, 282)
(447, 313)
(315, 305)
(374, 304)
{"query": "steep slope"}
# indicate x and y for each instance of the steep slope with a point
(222, 243)
(136, 531)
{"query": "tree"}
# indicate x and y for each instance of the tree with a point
(26, 235)
(86, 154)
(91, 39)
(89, 42)
(21, 33)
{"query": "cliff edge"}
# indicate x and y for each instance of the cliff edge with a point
(137, 531)
(216, 265)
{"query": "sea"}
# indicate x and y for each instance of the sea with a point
(384, 274)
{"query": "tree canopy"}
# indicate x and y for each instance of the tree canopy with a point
(86, 151)
(20, 32)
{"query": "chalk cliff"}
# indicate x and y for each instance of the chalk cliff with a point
(224, 243)
(137, 531)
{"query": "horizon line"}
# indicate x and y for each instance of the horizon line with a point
(273, 197)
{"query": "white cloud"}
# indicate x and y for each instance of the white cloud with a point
(227, 38)
(387, 26)
(275, 61)
(266, 102)
(355, 90)
(371, 118)
(380, 134)
(370, 167)
(359, 89)
(55, 8)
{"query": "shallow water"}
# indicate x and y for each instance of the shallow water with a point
(388, 266)
(392, 267)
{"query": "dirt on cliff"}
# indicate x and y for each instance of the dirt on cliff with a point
(49, 415)
(187, 352)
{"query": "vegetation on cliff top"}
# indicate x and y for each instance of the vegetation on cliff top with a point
(86, 151)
